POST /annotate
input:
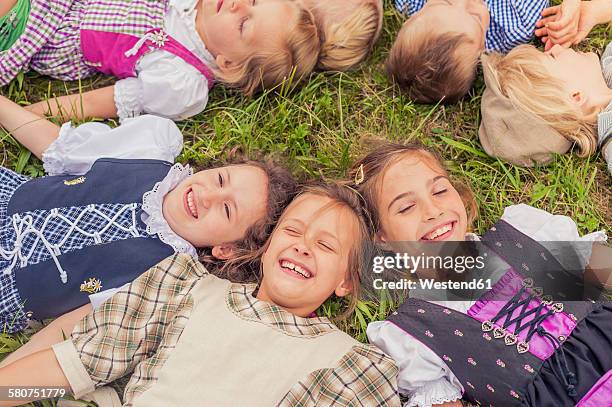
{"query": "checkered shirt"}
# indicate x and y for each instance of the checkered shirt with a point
(512, 21)
(137, 329)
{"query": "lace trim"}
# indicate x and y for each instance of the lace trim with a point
(153, 216)
(437, 392)
(23, 227)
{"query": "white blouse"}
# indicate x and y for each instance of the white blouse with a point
(166, 85)
(423, 376)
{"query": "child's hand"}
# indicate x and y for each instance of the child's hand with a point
(567, 24)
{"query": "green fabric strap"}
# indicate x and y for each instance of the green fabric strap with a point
(13, 23)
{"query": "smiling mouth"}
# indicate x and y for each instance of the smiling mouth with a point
(295, 269)
(190, 206)
(219, 5)
(441, 232)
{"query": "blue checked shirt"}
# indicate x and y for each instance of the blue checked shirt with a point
(512, 21)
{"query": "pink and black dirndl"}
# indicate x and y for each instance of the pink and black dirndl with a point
(73, 39)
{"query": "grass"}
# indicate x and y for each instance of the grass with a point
(319, 128)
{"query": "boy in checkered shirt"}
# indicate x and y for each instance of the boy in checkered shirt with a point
(435, 54)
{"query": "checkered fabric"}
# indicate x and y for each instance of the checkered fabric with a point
(512, 21)
(12, 317)
(51, 44)
(55, 230)
(137, 329)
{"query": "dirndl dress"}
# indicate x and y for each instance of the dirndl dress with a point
(14, 319)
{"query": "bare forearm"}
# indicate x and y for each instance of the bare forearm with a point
(40, 369)
(96, 103)
(34, 132)
(603, 10)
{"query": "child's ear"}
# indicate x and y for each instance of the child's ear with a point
(224, 64)
(223, 252)
(344, 288)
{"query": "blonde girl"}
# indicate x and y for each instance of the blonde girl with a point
(445, 349)
(187, 326)
(538, 103)
(166, 54)
(348, 30)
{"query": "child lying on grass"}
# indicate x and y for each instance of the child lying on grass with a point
(527, 349)
(435, 54)
(166, 54)
(223, 344)
(114, 204)
(538, 103)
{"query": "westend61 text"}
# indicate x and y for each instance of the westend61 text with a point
(431, 284)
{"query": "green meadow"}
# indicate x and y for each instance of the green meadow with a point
(318, 127)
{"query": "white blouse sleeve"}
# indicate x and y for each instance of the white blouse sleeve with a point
(423, 376)
(166, 86)
(573, 251)
(145, 137)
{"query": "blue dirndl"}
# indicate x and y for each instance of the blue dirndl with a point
(12, 314)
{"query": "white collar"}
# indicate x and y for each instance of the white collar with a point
(153, 217)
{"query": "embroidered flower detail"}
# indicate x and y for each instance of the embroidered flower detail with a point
(458, 332)
(446, 358)
(542, 255)
(471, 361)
(446, 311)
(520, 246)
(550, 276)
(428, 333)
(486, 336)
(493, 228)
(490, 388)
(501, 363)
(514, 394)
(421, 311)
(525, 266)
(470, 384)
(498, 244)
(529, 368)
(159, 38)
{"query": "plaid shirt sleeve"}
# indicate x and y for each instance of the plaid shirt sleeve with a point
(365, 377)
(130, 330)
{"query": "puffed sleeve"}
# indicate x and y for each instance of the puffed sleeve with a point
(145, 137)
(558, 233)
(142, 320)
(423, 376)
(166, 86)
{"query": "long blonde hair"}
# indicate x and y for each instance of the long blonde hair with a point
(348, 42)
(530, 87)
(269, 68)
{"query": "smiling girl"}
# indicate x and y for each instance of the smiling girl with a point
(445, 349)
(113, 205)
(237, 339)
(166, 54)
